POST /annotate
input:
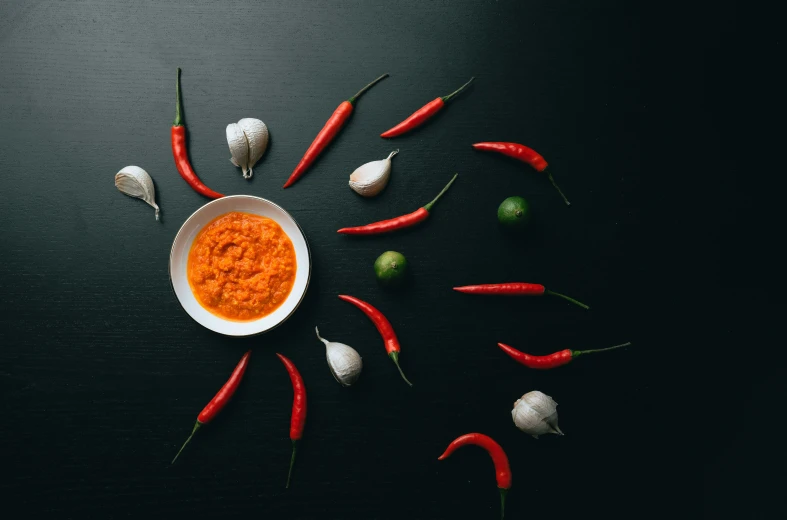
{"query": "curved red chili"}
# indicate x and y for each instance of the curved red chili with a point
(180, 151)
(424, 113)
(554, 360)
(515, 289)
(298, 419)
(524, 154)
(220, 400)
(384, 327)
(394, 224)
(499, 458)
(517, 151)
(328, 132)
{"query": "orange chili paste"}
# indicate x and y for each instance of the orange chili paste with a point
(241, 266)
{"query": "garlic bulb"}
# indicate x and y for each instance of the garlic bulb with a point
(248, 140)
(535, 413)
(370, 179)
(135, 182)
(345, 363)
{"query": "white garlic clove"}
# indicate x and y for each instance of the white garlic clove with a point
(257, 136)
(535, 413)
(371, 178)
(135, 182)
(343, 360)
(239, 147)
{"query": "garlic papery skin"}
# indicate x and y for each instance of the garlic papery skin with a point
(535, 413)
(369, 179)
(257, 136)
(345, 363)
(135, 182)
(239, 147)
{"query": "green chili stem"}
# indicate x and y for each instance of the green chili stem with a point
(292, 462)
(428, 207)
(395, 357)
(178, 103)
(458, 91)
(196, 427)
(552, 180)
(503, 503)
(572, 300)
(575, 353)
(367, 87)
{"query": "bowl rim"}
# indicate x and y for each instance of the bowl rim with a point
(308, 274)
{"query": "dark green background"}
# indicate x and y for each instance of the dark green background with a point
(102, 374)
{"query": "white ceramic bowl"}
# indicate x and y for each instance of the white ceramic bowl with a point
(178, 260)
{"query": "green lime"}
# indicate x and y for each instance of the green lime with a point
(390, 268)
(514, 213)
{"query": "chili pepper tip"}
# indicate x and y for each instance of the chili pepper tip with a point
(552, 180)
(178, 104)
(567, 298)
(458, 91)
(429, 206)
(292, 463)
(395, 357)
(577, 353)
(367, 87)
(196, 427)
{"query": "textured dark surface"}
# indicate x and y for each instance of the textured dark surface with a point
(101, 372)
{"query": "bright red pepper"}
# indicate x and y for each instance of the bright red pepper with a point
(181, 153)
(515, 289)
(423, 114)
(524, 154)
(394, 224)
(298, 419)
(220, 400)
(554, 360)
(328, 132)
(384, 327)
(499, 458)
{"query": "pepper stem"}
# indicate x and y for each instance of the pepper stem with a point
(367, 87)
(503, 503)
(292, 462)
(575, 353)
(552, 180)
(178, 103)
(458, 91)
(428, 207)
(395, 357)
(572, 300)
(196, 427)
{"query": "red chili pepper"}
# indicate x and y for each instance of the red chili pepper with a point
(384, 327)
(424, 113)
(502, 469)
(181, 153)
(393, 224)
(515, 289)
(524, 154)
(555, 360)
(298, 419)
(328, 132)
(220, 400)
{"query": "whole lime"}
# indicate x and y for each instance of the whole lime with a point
(514, 213)
(390, 268)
